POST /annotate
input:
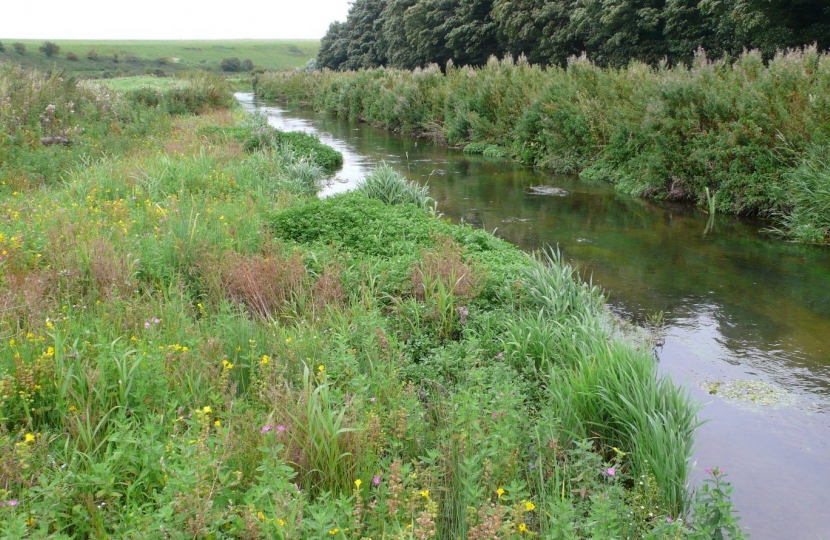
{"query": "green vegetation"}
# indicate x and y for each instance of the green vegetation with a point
(100, 59)
(194, 343)
(752, 133)
(407, 34)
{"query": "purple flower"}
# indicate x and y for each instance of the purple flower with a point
(372, 399)
(146, 325)
(155, 320)
(12, 502)
(669, 520)
(501, 354)
(280, 428)
(265, 429)
(376, 480)
(494, 415)
(611, 471)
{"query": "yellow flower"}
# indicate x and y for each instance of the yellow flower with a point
(321, 368)
(29, 438)
(217, 423)
(206, 409)
(265, 359)
(261, 516)
(522, 527)
(529, 506)
(619, 452)
(425, 494)
(500, 492)
(228, 365)
(281, 522)
(334, 531)
(288, 339)
(357, 483)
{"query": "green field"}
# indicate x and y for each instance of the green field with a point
(123, 58)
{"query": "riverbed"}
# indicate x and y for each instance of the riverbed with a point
(744, 316)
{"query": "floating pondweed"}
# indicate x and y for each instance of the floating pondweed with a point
(752, 391)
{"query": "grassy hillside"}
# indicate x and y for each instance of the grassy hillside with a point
(139, 57)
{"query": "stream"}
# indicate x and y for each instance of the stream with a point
(746, 316)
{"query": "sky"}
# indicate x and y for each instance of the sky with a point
(168, 19)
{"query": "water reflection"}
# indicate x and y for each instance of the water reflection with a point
(737, 304)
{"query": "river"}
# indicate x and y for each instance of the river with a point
(746, 316)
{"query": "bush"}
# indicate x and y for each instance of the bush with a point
(19, 48)
(231, 64)
(309, 146)
(93, 55)
(247, 65)
(49, 48)
(72, 57)
(2, 47)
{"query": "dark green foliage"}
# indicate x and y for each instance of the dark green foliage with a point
(411, 33)
(19, 48)
(49, 48)
(2, 47)
(231, 64)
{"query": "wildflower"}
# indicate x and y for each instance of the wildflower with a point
(146, 325)
(500, 355)
(321, 368)
(288, 339)
(12, 502)
(281, 522)
(619, 452)
(500, 492)
(206, 409)
(261, 516)
(334, 531)
(376, 480)
(265, 429)
(280, 428)
(228, 365)
(217, 423)
(425, 494)
(265, 359)
(372, 400)
(529, 506)
(29, 438)
(357, 483)
(155, 320)
(522, 528)
(494, 415)
(611, 471)
(669, 520)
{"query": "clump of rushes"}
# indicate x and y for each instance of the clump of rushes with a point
(389, 186)
(216, 352)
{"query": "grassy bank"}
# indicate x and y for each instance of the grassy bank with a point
(194, 345)
(753, 134)
(101, 58)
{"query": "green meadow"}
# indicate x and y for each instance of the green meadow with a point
(96, 59)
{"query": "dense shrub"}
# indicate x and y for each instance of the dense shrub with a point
(72, 57)
(19, 48)
(737, 129)
(49, 48)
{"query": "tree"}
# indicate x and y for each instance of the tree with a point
(247, 65)
(2, 47)
(333, 47)
(49, 48)
(19, 48)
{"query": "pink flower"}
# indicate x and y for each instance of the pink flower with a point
(669, 520)
(146, 325)
(155, 320)
(376, 480)
(495, 415)
(501, 354)
(611, 471)
(265, 429)
(280, 428)
(372, 400)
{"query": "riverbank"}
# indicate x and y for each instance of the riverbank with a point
(194, 343)
(753, 134)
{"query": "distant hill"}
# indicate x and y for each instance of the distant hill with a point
(99, 59)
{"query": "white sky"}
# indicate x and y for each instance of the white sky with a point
(168, 19)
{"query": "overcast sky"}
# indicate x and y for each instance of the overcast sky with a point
(168, 19)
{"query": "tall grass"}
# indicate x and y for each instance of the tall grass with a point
(738, 128)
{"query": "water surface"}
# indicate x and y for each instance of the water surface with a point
(737, 304)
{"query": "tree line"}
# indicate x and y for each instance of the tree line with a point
(411, 33)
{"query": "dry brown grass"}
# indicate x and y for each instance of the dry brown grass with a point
(445, 263)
